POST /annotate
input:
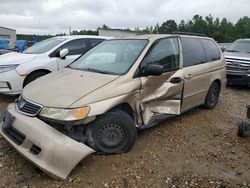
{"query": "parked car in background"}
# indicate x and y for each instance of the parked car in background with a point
(19, 69)
(100, 100)
(238, 62)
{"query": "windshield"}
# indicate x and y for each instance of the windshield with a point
(111, 57)
(44, 46)
(240, 46)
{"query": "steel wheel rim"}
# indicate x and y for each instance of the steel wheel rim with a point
(111, 136)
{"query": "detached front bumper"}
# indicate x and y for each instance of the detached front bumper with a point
(53, 152)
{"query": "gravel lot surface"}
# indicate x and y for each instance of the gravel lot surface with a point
(198, 149)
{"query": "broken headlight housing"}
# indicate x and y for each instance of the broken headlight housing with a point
(65, 114)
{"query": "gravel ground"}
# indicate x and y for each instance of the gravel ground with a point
(198, 149)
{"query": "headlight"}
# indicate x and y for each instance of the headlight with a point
(65, 114)
(5, 68)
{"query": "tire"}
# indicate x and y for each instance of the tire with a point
(212, 96)
(33, 76)
(242, 129)
(112, 133)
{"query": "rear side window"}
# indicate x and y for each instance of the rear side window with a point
(165, 53)
(193, 52)
(211, 50)
(76, 47)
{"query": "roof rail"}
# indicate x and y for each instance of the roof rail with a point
(188, 33)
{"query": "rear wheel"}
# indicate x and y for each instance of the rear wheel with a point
(34, 76)
(112, 133)
(212, 96)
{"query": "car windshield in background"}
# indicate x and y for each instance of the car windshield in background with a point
(240, 46)
(111, 57)
(44, 46)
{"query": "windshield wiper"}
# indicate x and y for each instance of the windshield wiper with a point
(92, 70)
(98, 71)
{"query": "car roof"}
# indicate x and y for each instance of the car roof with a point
(244, 40)
(81, 37)
(159, 36)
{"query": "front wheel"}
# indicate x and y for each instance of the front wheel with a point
(212, 96)
(112, 133)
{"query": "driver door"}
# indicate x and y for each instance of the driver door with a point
(162, 95)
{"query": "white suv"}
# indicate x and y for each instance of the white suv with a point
(17, 70)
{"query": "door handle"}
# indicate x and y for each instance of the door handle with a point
(188, 76)
(175, 80)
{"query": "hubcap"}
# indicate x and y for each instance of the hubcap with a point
(111, 136)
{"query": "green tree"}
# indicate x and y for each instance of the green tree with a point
(156, 28)
(182, 26)
(168, 27)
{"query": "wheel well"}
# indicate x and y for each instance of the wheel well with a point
(218, 82)
(40, 70)
(124, 107)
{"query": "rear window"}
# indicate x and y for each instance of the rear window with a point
(193, 52)
(211, 50)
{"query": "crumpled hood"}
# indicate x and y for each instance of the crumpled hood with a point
(237, 55)
(16, 58)
(62, 88)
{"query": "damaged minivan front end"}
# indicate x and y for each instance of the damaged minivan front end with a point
(53, 138)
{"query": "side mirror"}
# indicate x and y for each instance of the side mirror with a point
(63, 53)
(153, 70)
(223, 49)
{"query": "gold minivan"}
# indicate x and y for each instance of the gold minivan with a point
(100, 101)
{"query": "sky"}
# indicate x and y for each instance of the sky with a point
(56, 16)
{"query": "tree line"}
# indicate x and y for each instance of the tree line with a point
(222, 30)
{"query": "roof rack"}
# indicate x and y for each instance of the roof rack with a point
(189, 33)
(176, 33)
